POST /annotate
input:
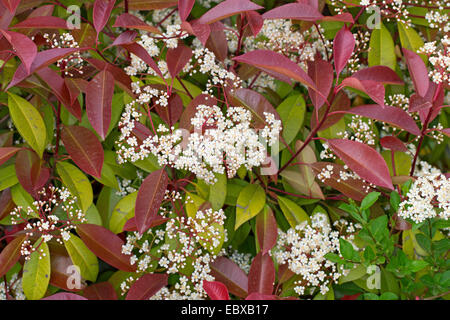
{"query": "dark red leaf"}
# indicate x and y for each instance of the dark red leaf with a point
(363, 160)
(380, 74)
(217, 41)
(146, 286)
(351, 297)
(321, 73)
(126, 20)
(126, 37)
(373, 89)
(100, 291)
(101, 13)
(255, 21)
(388, 114)
(150, 4)
(216, 290)
(177, 58)
(260, 296)
(25, 48)
(6, 203)
(172, 112)
(121, 78)
(295, 11)
(226, 271)
(10, 254)
(105, 245)
(184, 8)
(64, 296)
(139, 51)
(84, 149)
(60, 262)
(75, 86)
(418, 71)
(201, 31)
(261, 277)
(30, 172)
(11, 5)
(6, 16)
(276, 65)
(393, 143)
(416, 103)
(228, 8)
(149, 198)
(46, 22)
(355, 189)
(344, 17)
(99, 94)
(6, 153)
(343, 46)
(340, 102)
(266, 230)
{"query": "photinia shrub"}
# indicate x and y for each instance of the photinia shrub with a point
(224, 150)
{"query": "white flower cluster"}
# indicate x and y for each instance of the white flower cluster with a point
(126, 185)
(328, 171)
(439, 59)
(220, 143)
(362, 40)
(304, 248)
(428, 197)
(360, 130)
(42, 220)
(243, 260)
(14, 289)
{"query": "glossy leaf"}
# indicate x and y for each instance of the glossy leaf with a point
(393, 143)
(36, 272)
(216, 290)
(295, 11)
(146, 286)
(10, 254)
(30, 171)
(11, 4)
(381, 74)
(126, 20)
(321, 73)
(418, 71)
(28, 122)
(227, 272)
(266, 230)
(382, 51)
(261, 277)
(226, 9)
(184, 8)
(343, 46)
(100, 291)
(373, 89)
(99, 94)
(101, 13)
(64, 296)
(105, 245)
(84, 149)
(177, 58)
(293, 213)
(48, 22)
(123, 211)
(363, 160)
(6, 153)
(82, 257)
(24, 47)
(292, 113)
(149, 198)
(250, 202)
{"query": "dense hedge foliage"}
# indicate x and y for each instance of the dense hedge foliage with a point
(237, 149)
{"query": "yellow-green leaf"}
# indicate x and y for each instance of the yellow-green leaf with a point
(382, 50)
(410, 39)
(123, 211)
(36, 272)
(294, 213)
(8, 177)
(292, 113)
(250, 202)
(28, 122)
(82, 257)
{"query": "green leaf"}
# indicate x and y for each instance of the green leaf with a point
(36, 272)
(346, 249)
(382, 51)
(395, 200)
(294, 214)
(356, 273)
(424, 242)
(218, 192)
(250, 202)
(417, 265)
(28, 122)
(388, 296)
(369, 200)
(123, 211)
(410, 39)
(292, 114)
(378, 227)
(82, 257)
(8, 177)
(77, 183)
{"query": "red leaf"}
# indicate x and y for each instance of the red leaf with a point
(260, 296)
(146, 286)
(343, 46)
(42, 59)
(191, 110)
(363, 160)
(6, 153)
(101, 13)
(126, 37)
(201, 31)
(216, 290)
(126, 20)
(105, 245)
(100, 291)
(344, 17)
(355, 189)
(10, 254)
(418, 71)
(149, 198)
(380, 74)
(392, 115)
(261, 277)
(277, 65)
(139, 51)
(255, 21)
(172, 112)
(6, 204)
(11, 5)
(177, 58)
(60, 90)
(184, 8)
(84, 149)
(226, 271)
(393, 143)
(266, 230)
(217, 41)
(25, 48)
(60, 261)
(417, 103)
(351, 297)
(228, 8)
(321, 73)
(150, 4)
(340, 102)
(122, 79)
(46, 22)
(374, 90)
(64, 296)
(99, 94)
(30, 172)
(6, 16)
(295, 11)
